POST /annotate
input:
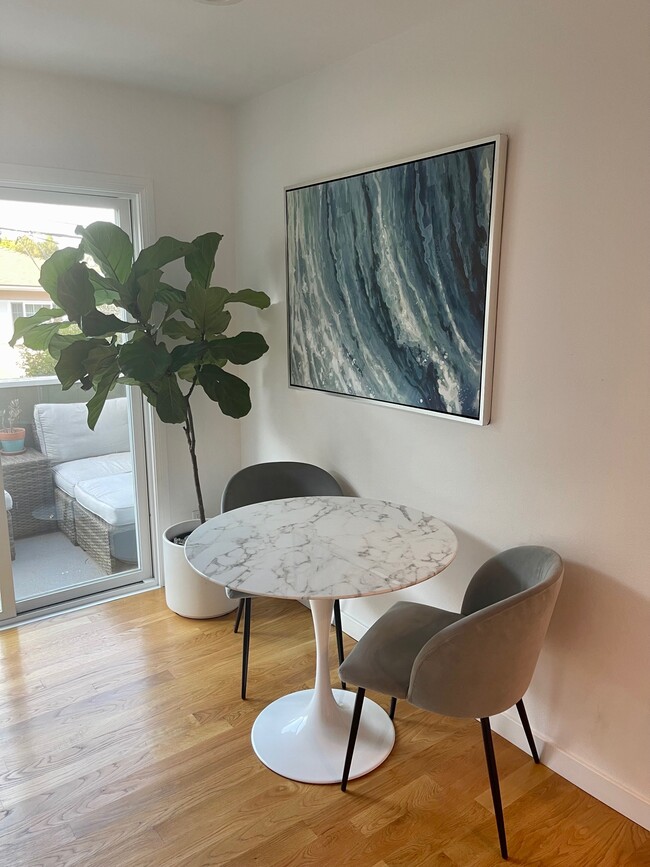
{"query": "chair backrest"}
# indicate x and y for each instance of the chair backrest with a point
(483, 663)
(275, 481)
(508, 573)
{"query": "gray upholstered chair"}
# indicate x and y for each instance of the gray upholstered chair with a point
(276, 481)
(474, 664)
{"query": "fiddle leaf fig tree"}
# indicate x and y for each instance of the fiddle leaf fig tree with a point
(113, 324)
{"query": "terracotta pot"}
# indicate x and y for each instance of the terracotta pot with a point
(186, 592)
(13, 441)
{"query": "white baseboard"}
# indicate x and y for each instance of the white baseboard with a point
(633, 805)
(351, 626)
(629, 803)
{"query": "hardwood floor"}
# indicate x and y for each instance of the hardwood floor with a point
(125, 744)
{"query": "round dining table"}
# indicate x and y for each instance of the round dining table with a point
(320, 549)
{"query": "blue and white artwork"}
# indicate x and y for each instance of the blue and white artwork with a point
(388, 282)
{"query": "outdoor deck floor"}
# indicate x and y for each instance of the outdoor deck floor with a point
(50, 562)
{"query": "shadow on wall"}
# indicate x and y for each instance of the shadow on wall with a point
(597, 661)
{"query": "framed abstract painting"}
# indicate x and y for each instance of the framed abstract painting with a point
(392, 281)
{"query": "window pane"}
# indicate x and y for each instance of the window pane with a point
(29, 233)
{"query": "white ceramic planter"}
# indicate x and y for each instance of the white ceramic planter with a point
(187, 593)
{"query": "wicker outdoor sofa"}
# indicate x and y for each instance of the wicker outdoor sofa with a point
(92, 472)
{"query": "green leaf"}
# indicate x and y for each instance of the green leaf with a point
(165, 250)
(102, 360)
(171, 404)
(55, 266)
(107, 291)
(187, 373)
(96, 403)
(110, 247)
(249, 296)
(76, 293)
(219, 323)
(175, 329)
(98, 324)
(187, 354)
(71, 366)
(58, 342)
(40, 336)
(172, 298)
(143, 359)
(23, 324)
(240, 349)
(128, 292)
(204, 306)
(148, 391)
(148, 285)
(200, 261)
(230, 392)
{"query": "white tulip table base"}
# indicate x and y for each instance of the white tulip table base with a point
(304, 736)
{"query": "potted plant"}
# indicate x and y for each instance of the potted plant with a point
(125, 316)
(12, 438)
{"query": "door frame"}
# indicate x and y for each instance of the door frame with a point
(139, 193)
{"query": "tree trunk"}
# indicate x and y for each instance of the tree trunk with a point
(190, 434)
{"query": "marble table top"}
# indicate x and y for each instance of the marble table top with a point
(321, 547)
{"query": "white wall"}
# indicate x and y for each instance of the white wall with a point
(185, 147)
(565, 460)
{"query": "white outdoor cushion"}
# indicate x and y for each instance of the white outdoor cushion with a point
(64, 435)
(68, 474)
(9, 503)
(110, 497)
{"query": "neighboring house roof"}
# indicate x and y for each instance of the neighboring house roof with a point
(18, 269)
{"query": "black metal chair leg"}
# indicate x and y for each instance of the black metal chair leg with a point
(523, 716)
(247, 640)
(494, 784)
(339, 634)
(354, 728)
(393, 705)
(240, 611)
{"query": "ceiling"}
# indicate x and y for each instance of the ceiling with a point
(224, 53)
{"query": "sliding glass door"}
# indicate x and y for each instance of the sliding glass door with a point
(74, 500)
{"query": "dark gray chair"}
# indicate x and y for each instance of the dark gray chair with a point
(474, 664)
(276, 481)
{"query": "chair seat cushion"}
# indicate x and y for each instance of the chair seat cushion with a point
(236, 594)
(383, 658)
(109, 497)
(68, 474)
